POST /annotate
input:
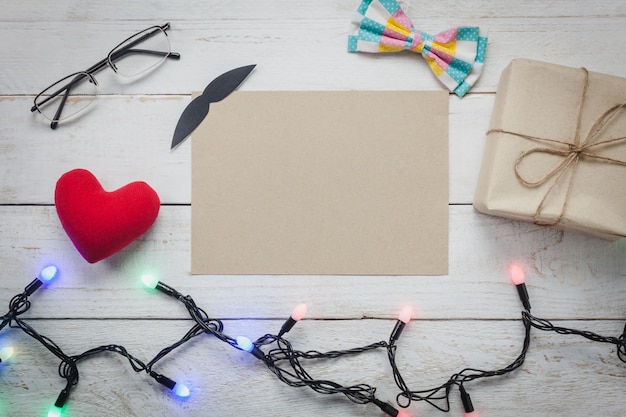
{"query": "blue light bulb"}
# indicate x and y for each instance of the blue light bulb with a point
(181, 390)
(244, 343)
(5, 353)
(48, 274)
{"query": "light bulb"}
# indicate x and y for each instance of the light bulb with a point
(55, 412)
(518, 277)
(181, 390)
(389, 409)
(403, 318)
(6, 353)
(296, 315)
(405, 314)
(59, 404)
(48, 274)
(299, 312)
(244, 343)
(517, 274)
(468, 407)
(149, 281)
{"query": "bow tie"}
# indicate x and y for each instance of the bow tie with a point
(456, 56)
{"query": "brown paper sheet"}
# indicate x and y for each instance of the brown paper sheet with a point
(322, 183)
(541, 99)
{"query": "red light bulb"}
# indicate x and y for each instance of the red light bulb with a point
(517, 274)
(296, 315)
(519, 279)
(389, 409)
(405, 314)
(403, 318)
(299, 312)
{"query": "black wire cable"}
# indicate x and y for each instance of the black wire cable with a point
(295, 374)
(193, 332)
(288, 364)
(68, 368)
(546, 325)
(470, 374)
(621, 347)
(435, 396)
(441, 393)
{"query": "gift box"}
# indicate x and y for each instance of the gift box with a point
(555, 152)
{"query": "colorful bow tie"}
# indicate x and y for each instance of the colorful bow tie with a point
(456, 56)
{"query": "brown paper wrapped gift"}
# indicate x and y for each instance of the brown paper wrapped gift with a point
(556, 149)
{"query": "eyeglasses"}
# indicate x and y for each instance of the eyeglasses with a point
(137, 55)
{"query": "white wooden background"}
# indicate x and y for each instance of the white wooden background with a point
(467, 318)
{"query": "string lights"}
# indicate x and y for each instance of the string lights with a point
(280, 357)
(5, 354)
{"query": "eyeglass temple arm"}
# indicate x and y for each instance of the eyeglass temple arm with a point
(127, 49)
(55, 120)
(94, 68)
(66, 92)
(123, 53)
(101, 64)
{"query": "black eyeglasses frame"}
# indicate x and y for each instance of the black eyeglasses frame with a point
(109, 61)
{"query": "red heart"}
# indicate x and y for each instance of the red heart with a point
(101, 223)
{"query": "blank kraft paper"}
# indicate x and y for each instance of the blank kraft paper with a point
(352, 182)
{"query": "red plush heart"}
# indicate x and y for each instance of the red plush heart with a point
(101, 223)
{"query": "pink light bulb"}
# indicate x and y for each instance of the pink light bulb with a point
(296, 315)
(405, 314)
(517, 274)
(403, 414)
(471, 414)
(299, 312)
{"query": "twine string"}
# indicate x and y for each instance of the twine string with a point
(572, 153)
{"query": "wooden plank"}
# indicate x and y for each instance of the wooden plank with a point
(288, 57)
(207, 10)
(115, 148)
(562, 375)
(467, 318)
(561, 282)
(119, 150)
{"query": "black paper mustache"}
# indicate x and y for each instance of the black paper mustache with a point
(217, 90)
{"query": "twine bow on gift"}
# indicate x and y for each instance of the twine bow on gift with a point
(572, 153)
(456, 56)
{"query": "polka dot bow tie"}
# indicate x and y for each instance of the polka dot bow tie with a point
(456, 56)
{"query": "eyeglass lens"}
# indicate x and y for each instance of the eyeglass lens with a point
(135, 56)
(140, 53)
(68, 96)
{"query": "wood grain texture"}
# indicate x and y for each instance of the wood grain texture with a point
(563, 284)
(470, 317)
(141, 147)
(229, 382)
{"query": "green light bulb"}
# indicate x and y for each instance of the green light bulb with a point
(55, 412)
(149, 281)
